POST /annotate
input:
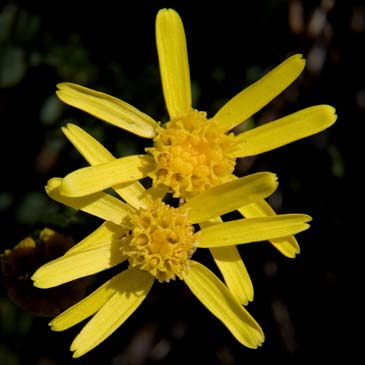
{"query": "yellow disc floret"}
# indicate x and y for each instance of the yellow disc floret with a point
(161, 240)
(191, 155)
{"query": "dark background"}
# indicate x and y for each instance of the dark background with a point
(110, 46)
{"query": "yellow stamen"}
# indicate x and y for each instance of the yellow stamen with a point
(191, 155)
(161, 240)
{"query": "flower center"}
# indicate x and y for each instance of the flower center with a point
(160, 240)
(191, 155)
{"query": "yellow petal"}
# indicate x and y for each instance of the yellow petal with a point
(80, 264)
(133, 193)
(233, 269)
(285, 130)
(234, 272)
(95, 153)
(174, 64)
(107, 108)
(131, 289)
(91, 149)
(105, 232)
(256, 96)
(88, 306)
(252, 230)
(101, 205)
(227, 197)
(221, 303)
(288, 246)
(96, 178)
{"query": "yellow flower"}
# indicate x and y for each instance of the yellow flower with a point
(158, 241)
(190, 153)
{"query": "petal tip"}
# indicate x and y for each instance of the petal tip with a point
(60, 85)
(76, 352)
(274, 177)
(63, 86)
(307, 218)
(66, 187)
(41, 278)
(54, 327)
(35, 280)
(332, 113)
(298, 57)
(298, 61)
(52, 184)
(258, 338)
(40, 284)
(167, 12)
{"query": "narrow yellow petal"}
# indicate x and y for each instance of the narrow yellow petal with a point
(96, 178)
(234, 272)
(288, 246)
(101, 205)
(86, 307)
(227, 197)
(174, 64)
(80, 264)
(91, 149)
(222, 304)
(232, 267)
(131, 289)
(285, 130)
(95, 153)
(105, 232)
(107, 108)
(252, 230)
(256, 96)
(133, 193)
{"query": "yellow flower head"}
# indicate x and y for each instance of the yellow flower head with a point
(191, 152)
(191, 155)
(158, 242)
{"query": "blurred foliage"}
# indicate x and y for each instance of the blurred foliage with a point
(230, 45)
